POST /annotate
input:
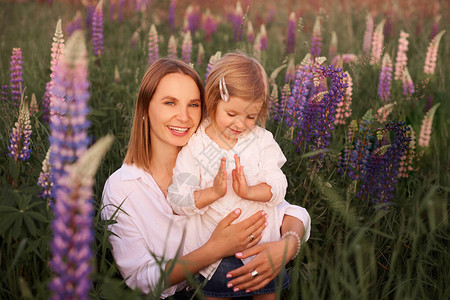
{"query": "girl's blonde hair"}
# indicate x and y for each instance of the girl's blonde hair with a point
(139, 151)
(244, 78)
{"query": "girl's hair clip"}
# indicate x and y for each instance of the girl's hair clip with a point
(223, 90)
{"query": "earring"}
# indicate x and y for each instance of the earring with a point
(223, 90)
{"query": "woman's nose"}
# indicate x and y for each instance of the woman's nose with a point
(183, 114)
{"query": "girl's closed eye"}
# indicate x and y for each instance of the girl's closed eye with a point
(230, 114)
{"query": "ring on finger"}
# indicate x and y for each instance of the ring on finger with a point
(251, 237)
(254, 273)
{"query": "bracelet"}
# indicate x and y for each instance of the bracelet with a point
(293, 233)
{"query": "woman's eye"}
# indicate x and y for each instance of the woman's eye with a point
(169, 103)
(194, 105)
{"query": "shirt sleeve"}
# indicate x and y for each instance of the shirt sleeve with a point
(270, 162)
(134, 259)
(186, 179)
(298, 212)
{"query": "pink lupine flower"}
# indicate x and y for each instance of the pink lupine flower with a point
(343, 109)
(377, 44)
(316, 43)
(153, 49)
(45, 180)
(384, 84)
(290, 42)
(186, 48)
(97, 29)
(384, 111)
(250, 32)
(368, 34)
(332, 52)
(172, 48)
(200, 54)
(425, 129)
(408, 84)
(401, 60)
(16, 75)
(57, 52)
(406, 161)
(431, 57)
(346, 58)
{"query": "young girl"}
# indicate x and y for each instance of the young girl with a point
(230, 162)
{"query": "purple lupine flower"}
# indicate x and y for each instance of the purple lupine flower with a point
(238, 20)
(368, 33)
(316, 42)
(192, 19)
(280, 106)
(209, 25)
(408, 84)
(153, 48)
(295, 105)
(200, 54)
(186, 48)
(121, 8)
(381, 172)
(44, 179)
(290, 42)
(250, 32)
(97, 29)
(74, 25)
(435, 28)
(212, 61)
(16, 75)
(384, 84)
(5, 92)
(263, 38)
(71, 253)
(90, 11)
(172, 48)
(173, 3)
(19, 147)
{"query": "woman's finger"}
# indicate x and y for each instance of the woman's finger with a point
(229, 218)
(257, 217)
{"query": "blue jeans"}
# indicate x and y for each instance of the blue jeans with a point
(217, 285)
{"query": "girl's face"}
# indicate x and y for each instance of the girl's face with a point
(236, 117)
(174, 110)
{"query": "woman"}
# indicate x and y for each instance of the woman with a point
(148, 235)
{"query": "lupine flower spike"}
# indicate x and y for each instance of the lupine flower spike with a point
(290, 42)
(401, 60)
(153, 49)
(384, 111)
(97, 29)
(33, 105)
(57, 51)
(16, 75)
(71, 252)
(172, 48)
(343, 109)
(200, 54)
(407, 160)
(19, 147)
(425, 129)
(384, 84)
(74, 25)
(431, 57)
(4, 92)
(250, 32)
(435, 28)
(290, 71)
(209, 25)
(368, 34)
(333, 45)
(212, 61)
(377, 43)
(408, 84)
(316, 43)
(134, 38)
(186, 48)
(237, 22)
(192, 19)
(172, 14)
(44, 179)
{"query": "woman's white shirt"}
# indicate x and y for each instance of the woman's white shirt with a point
(146, 227)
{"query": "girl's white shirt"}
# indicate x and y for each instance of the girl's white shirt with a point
(146, 229)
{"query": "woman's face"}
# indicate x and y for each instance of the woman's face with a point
(174, 110)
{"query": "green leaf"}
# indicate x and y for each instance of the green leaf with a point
(30, 224)
(6, 222)
(17, 226)
(8, 209)
(37, 216)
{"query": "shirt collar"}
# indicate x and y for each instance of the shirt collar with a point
(130, 172)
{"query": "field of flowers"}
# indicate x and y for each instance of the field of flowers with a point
(359, 105)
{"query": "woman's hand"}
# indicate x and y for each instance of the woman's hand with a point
(229, 238)
(270, 258)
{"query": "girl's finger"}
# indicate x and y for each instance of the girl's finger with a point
(237, 161)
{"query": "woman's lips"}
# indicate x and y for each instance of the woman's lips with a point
(178, 131)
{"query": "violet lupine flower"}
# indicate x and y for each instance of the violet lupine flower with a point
(408, 84)
(97, 29)
(279, 110)
(238, 21)
(377, 44)
(368, 34)
(44, 179)
(290, 42)
(250, 32)
(5, 92)
(435, 27)
(200, 54)
(121, 9)
(171, 17)
(431, 57)
(332, 52)
(16, 75)
(401, 60)
(186, 48)
(343, 110)
(209, 25)
(381, 171)
(74, 25)
(212, 61)
(192, 19)
(19, 147)
(70, 247)
(425, 129)
(172, 48)
(153, 48)
(316, 42)
(358, 148)
(263, 38)
(384, 84)
(407, 160)
(90, 11)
